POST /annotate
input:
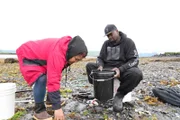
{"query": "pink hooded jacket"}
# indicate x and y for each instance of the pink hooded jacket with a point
(50, 53)
(48, 56)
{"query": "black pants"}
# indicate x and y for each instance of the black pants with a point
(128, 80)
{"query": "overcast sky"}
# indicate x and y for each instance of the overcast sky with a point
(154, 25)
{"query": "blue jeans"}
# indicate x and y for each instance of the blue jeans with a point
(39, 89)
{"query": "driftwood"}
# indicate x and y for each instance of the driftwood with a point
(23, 91)
(10, 60)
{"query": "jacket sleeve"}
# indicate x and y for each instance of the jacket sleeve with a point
(55, 66)
(100, 58)
(131, 56)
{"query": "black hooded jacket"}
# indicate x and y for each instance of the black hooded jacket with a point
(122, 54)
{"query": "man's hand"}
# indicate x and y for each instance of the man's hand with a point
(117, 75)
(59, 115)
(100, 68)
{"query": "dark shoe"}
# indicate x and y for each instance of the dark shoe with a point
(40, 112)
(118, 104)
(42, 116)
(39, 107)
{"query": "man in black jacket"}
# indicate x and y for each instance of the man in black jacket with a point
(119, 53)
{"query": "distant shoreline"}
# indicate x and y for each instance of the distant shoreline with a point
(7, 53)
(94, 55)
(13, 55)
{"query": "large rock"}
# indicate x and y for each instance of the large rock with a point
(70, 107)
(80, 107)
(10, 60)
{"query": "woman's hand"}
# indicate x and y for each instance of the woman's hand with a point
(59, 115)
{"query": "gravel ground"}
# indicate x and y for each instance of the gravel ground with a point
(157, 72)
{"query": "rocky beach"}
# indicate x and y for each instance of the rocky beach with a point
(161, 72)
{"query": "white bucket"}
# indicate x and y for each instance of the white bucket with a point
(7, 100)
(128, 97)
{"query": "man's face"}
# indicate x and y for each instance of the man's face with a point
(114, 35)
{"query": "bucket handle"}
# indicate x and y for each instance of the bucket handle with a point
(100, 79)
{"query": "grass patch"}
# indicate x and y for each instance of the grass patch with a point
(65, 91)
(18, 115)
(171, 53)
(86, 112)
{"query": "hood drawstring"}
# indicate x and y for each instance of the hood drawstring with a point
(68, 69)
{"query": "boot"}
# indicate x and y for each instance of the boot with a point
(41, 113)
(117, 103)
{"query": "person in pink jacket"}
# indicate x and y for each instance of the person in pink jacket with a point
(41, 64)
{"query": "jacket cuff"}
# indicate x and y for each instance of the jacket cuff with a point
(56, 106)
(54, 98)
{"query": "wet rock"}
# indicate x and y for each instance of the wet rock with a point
(71, 106)
(10, 60)
(80, 107)
(98, 110)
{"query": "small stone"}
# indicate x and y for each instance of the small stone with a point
(27, 117)
(110, 109)
(98, 109)
(84, 73)
(91, 105)
(84, 100)
(172, 78)
(177, 115)
(171, 67)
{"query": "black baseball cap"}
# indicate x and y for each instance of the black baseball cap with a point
(109, 29)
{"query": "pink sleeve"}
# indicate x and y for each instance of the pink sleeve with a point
(55, 65)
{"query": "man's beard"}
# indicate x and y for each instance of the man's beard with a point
(113, 41)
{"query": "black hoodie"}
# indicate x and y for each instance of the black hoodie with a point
(122, 54)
